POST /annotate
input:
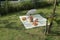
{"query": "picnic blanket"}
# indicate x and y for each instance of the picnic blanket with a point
(27, 24)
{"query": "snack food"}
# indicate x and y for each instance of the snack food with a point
(35, 23)
(36, 20)
(23, 18)
(31, 18)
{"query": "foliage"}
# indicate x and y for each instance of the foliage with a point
(11, 27)
(15, 7)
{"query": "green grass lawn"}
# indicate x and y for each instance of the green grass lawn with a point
(11, 28)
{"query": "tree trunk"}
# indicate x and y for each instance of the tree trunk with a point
(52, 17)
(6, 8)
(0, 8)
(46, 31)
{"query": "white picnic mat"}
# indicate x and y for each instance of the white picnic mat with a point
(27, 24)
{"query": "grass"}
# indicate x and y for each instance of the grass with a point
(11, 27)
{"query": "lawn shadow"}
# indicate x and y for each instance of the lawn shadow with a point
(54, 33)
(4, 21)
(13, 25)
(58, 21)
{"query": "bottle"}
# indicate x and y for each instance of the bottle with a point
(31, 18)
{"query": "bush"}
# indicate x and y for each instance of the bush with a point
(20, 6)
(3, 11)
(26, 6)
(23, 6)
